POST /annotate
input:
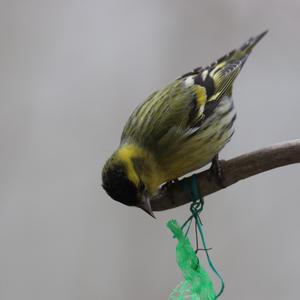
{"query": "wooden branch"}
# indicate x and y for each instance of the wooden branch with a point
(235, 169)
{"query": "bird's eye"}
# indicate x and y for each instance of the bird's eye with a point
(142, 186)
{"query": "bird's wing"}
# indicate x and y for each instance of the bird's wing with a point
(180, 108)
(163, 110)
(217, 78)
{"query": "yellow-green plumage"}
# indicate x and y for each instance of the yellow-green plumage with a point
(178, 129)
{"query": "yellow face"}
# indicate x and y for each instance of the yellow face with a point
(141, 167)
(126, 155)
(128, 177)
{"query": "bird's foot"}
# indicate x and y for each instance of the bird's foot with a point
(216, 172)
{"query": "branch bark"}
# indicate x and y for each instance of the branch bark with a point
(235, 169)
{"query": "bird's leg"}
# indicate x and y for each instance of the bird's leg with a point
(216, 171)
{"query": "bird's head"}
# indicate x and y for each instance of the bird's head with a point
(124, 178)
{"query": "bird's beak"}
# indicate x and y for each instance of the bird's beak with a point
(146, 206)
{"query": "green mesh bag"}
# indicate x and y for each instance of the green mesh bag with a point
(197, 284)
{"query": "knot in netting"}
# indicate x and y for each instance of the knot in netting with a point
(196, 206)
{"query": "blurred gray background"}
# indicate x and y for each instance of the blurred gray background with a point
(70, 74)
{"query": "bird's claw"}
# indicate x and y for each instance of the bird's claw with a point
(216, 172)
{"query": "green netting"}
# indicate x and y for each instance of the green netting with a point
(197, 284)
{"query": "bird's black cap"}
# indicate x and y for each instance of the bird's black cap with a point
(118, 186)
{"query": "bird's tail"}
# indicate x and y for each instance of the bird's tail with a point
(240, 53)
(224, 71)
(251, 43)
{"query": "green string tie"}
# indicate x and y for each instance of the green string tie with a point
(196, 208)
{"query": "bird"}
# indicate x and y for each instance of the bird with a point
(178, 129)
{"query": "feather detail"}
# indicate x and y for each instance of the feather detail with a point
(186, 114)
(178, 129)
